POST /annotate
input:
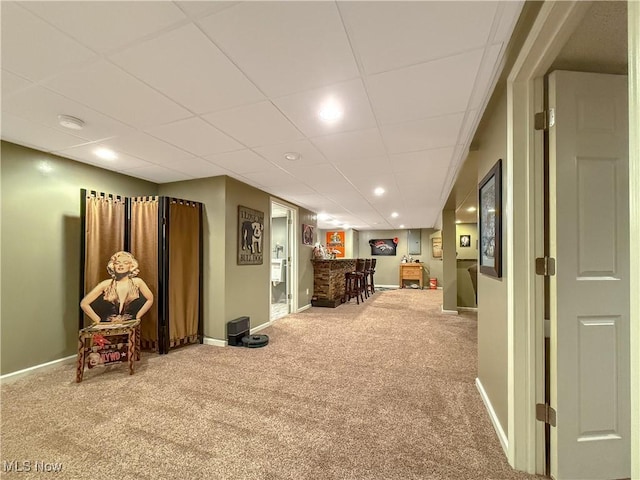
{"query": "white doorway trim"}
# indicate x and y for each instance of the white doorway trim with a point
(293, 251)
(633, 46)
(525, 377)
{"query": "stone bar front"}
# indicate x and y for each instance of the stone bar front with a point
(328, 281)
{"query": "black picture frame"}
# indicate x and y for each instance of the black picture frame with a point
(465, 241)
(490, 222)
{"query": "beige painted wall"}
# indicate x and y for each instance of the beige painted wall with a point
(41, 251)
(210, 192)
(387, 268)
(466, 257)
(305, 254)
(492, 292)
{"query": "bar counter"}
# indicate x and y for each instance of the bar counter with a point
(328, 281)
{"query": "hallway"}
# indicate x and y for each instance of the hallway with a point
(383, 390)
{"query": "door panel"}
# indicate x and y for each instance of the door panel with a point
(589, 237)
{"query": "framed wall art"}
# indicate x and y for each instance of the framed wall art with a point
(250, 236)
(490, 222)
(436, 247)
(307, 234)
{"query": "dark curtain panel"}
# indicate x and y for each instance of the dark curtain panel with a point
(184, 272)
(104, 236)
(144, 246)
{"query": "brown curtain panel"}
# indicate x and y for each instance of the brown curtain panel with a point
(144, 246)
(104, 236)
(184, 272)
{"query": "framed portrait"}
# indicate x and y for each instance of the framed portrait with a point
(436, 247)
(307, 234)
(250, 236)
(465, 240)
(490, 222)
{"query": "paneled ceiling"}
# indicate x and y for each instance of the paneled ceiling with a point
(185, 90)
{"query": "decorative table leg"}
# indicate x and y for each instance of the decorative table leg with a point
(131, 351)
(80, 361)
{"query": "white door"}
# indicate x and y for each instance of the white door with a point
(589, 238)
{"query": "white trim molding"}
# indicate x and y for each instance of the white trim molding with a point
(261, 327)
(448, 312)
(45, 366)
(504, 441)
(302, 309)
(214, 341)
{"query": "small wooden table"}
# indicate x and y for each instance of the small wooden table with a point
(410, 271)
(101, 332)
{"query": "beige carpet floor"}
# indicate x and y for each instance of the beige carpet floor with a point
(383, 390)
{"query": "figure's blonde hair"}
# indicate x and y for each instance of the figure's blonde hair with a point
(133, 271)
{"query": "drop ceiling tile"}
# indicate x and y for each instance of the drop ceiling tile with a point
(389, 35)
(422, 134)
(284, 47)
(85, 153)
(271, 177)
(104, 87)
(198, 168)
(430, 89)
(30, 134)
(309, 155)
(148, 148)
(37, 49)
(303, 108)
(407, 163)
(351, 145)
(255, 125)
(104, 26)
(11, 84)
(354, 167)
(197, 8)
(488, 74)
(158, 174)
(295, 189)
(186, 66)
(42, 105)
(241, 161)
(195, 136)
(508, 13)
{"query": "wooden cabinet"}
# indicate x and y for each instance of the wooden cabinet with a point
(410, 271)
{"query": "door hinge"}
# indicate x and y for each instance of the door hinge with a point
(546, 414)
(544, 120)
(545, 266)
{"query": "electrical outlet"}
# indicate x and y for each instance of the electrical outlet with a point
(307, 291)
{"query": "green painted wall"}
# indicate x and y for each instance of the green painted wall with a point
(41, 251)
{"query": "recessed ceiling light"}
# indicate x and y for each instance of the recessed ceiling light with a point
(471, 209)
(323, 216)
(292, 156)
(67, 121)
(331, 111)
(401, 226)
(458, 221)
(345, 226)
(105, 153)
(395, 215)
(379, 191)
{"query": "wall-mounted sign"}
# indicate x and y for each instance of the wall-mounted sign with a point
(386, 246)
(250, 230)
(336, 243)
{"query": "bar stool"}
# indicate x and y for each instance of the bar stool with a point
(369, 276)
(365, 277)
(353, 282)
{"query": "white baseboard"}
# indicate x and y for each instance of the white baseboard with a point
(214, 341)
(302, 309)
(467, 309)
(504, 441)
(393, 287)
(448, 312)
(260, 327)
(21, 373)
